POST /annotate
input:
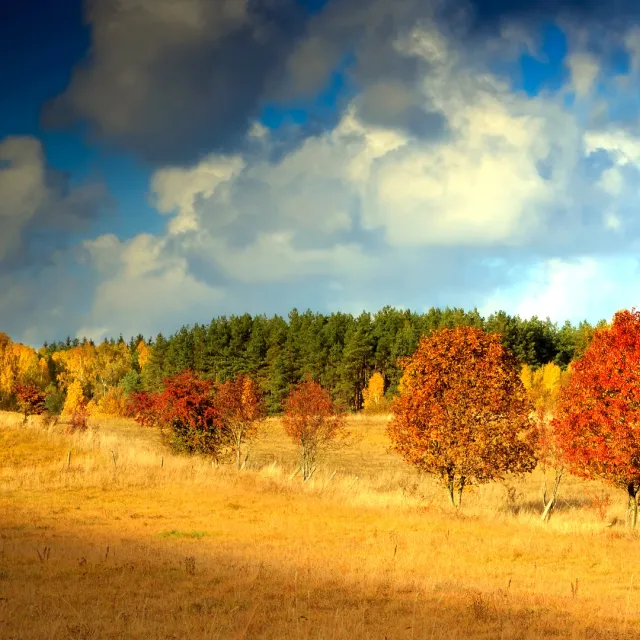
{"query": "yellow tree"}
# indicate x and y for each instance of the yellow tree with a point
(7, 368)
(27, 363)
(98, 371)
(76, 365)
(373, 395)
(75, 399)
(112, 363)
(543, 387)
(19, 365)
(144, 354)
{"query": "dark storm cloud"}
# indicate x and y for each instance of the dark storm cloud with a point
(490, 13)
(173, 80)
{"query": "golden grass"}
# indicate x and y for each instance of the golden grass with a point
(155, 546)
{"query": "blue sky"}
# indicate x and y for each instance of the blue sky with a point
(165, 162)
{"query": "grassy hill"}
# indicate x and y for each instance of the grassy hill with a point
(123, 540)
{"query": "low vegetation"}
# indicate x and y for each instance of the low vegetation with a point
(131, 541)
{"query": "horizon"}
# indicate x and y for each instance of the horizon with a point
(330, 155)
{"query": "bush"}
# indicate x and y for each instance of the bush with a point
(185, 410)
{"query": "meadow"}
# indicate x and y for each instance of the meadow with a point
(104, 534)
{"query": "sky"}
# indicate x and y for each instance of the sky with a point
(164, 162)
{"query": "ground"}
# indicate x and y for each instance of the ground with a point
(122, 540)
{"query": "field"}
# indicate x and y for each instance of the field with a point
(106, 535)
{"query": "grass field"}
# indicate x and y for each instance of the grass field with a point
(123, 540)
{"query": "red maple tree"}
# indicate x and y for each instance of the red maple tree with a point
(31, 400)
(463, 412)
(597, 421)
(186, 408)
(313, 422)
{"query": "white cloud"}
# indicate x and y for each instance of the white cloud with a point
(377, 212)
(623, 146)
(145, 286)
(175, 189)
(274, 258)
(585, 288)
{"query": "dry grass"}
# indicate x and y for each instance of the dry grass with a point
(133, 549)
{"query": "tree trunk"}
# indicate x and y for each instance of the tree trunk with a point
(551, 502)
(460, 489)
(633, 489)
(451, 488)
(307, 463)
(239, 450)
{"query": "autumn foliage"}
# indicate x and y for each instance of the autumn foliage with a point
(463, 412)
(544, 386)
(241, 409)
(31, 400)
(373, 396)
(312, 422)
(598, 416)
(186, 412)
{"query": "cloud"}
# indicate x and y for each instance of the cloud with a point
(38, 207)
(571, 290)
(172, 80)
(438, 181)
(143, 287)
(584, 71)
(204, 70)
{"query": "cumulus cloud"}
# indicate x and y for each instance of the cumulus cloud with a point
(437, 182)
(144, 287)
(172, 80)
(201, 71)
(36, 200)
(584, 71)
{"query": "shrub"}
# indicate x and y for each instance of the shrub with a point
(185, 411)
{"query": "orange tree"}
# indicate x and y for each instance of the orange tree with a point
(463, 412)
(241, 409)
(597, 421)
(313, 423)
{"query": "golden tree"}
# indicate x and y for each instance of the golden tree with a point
(463, 412)
(144, 354)
(75, 398)
(544, 386)
(373, 395)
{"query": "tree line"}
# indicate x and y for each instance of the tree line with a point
(470, 403)
(339, 350)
